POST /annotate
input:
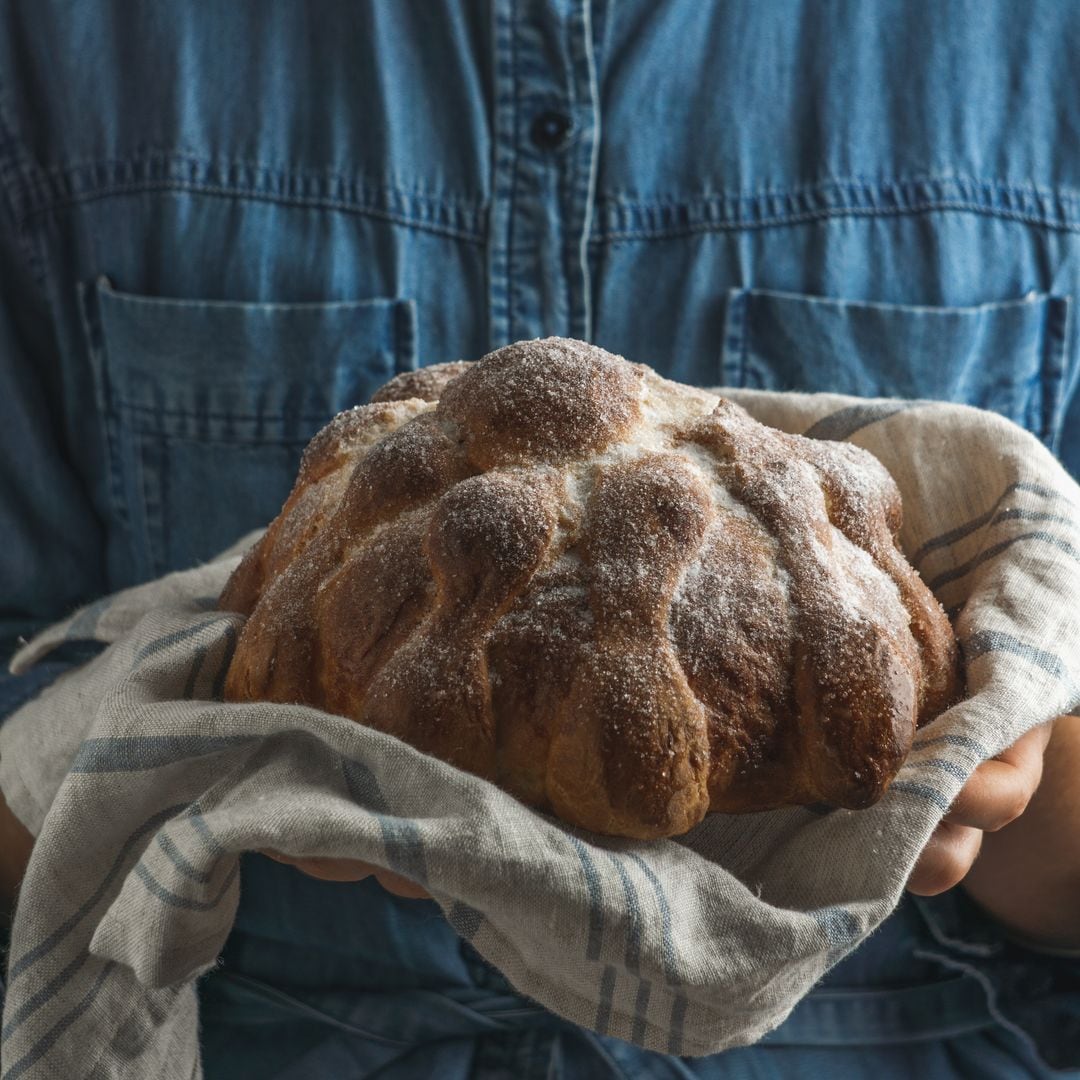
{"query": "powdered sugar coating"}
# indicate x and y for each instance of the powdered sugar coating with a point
(618, 597)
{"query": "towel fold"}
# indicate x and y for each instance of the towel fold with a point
(143, 788)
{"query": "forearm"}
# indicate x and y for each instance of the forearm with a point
(1027, 875)
(15, 845)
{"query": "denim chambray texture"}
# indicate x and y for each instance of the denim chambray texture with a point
(219, 224)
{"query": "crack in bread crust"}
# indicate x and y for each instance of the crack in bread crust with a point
(620, 598)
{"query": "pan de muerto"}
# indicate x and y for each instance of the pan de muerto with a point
(617, 597)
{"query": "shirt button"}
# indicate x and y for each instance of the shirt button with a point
(549, 130)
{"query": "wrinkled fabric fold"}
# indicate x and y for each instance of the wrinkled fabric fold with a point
(145, 789)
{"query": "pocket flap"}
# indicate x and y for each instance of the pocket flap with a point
(206, 406)
(1009, 357)
(241, 372)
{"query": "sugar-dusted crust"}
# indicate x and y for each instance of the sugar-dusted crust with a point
(619, 598)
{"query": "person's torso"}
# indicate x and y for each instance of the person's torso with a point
(245, 218)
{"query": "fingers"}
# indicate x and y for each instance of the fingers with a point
(15, 845)
(401, 886)
(326, 869)
(945, 859)
(351, 870)
(999, 790)
(1028, 876)
(996, 793)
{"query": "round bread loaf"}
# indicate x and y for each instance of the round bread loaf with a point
(618, 597)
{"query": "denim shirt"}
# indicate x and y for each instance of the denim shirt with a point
(222, 223)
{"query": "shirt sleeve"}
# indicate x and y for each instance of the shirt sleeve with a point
(51, 540)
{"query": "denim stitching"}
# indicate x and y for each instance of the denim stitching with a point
(273, 178)
(504, 164)
(856, 180)
(733, 357)
(109, 426)
(991, 990)
(430, 205)
(823, 215)
(168, 434)
(325, 202)
(568, 187)
(16, 175)
(204, 414)
(744, 337)
(508, 262)
(376, 304)
(992, 191)
(587, 184)
(471, 204)
(152, 470)
(1054, 399)
(404, 336)
(768, 207)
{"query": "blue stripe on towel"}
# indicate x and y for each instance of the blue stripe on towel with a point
(217, 691)
(954, 740)
(949, 576)
(180, 861)
(840, 927)
(985, 641)
(175, 637)
(49, 1039)
(83, 626)
(603, 1006)
(678, 1021)
(465, 919)
(641, 1007)
(402, 840)
(44, 994)
(843, 423)
(633, 911)
(44, 947)
(667, 945)
(960, 531)
(940, 763)
(596, 908)
(633, 947)
(167, 896)
(196, 666)
(198, 822)
(922, 791)
(132, 753)
(679, 1005)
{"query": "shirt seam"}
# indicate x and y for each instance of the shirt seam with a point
(58, 188)
(841, 183)
(605, 235)
(16, 177)
(667, 215)
(515, 172)
(619, 216)
(266, 168)
(156, 411)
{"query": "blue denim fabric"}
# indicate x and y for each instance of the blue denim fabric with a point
(219, 224)
(383, 987)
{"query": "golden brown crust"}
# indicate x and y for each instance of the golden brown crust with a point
(521, 404)
(426, 383)
(620, 598)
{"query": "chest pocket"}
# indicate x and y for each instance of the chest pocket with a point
(1010, 357)
(207, 406)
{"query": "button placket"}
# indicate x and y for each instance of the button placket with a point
(549, 129)
(545, 130)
